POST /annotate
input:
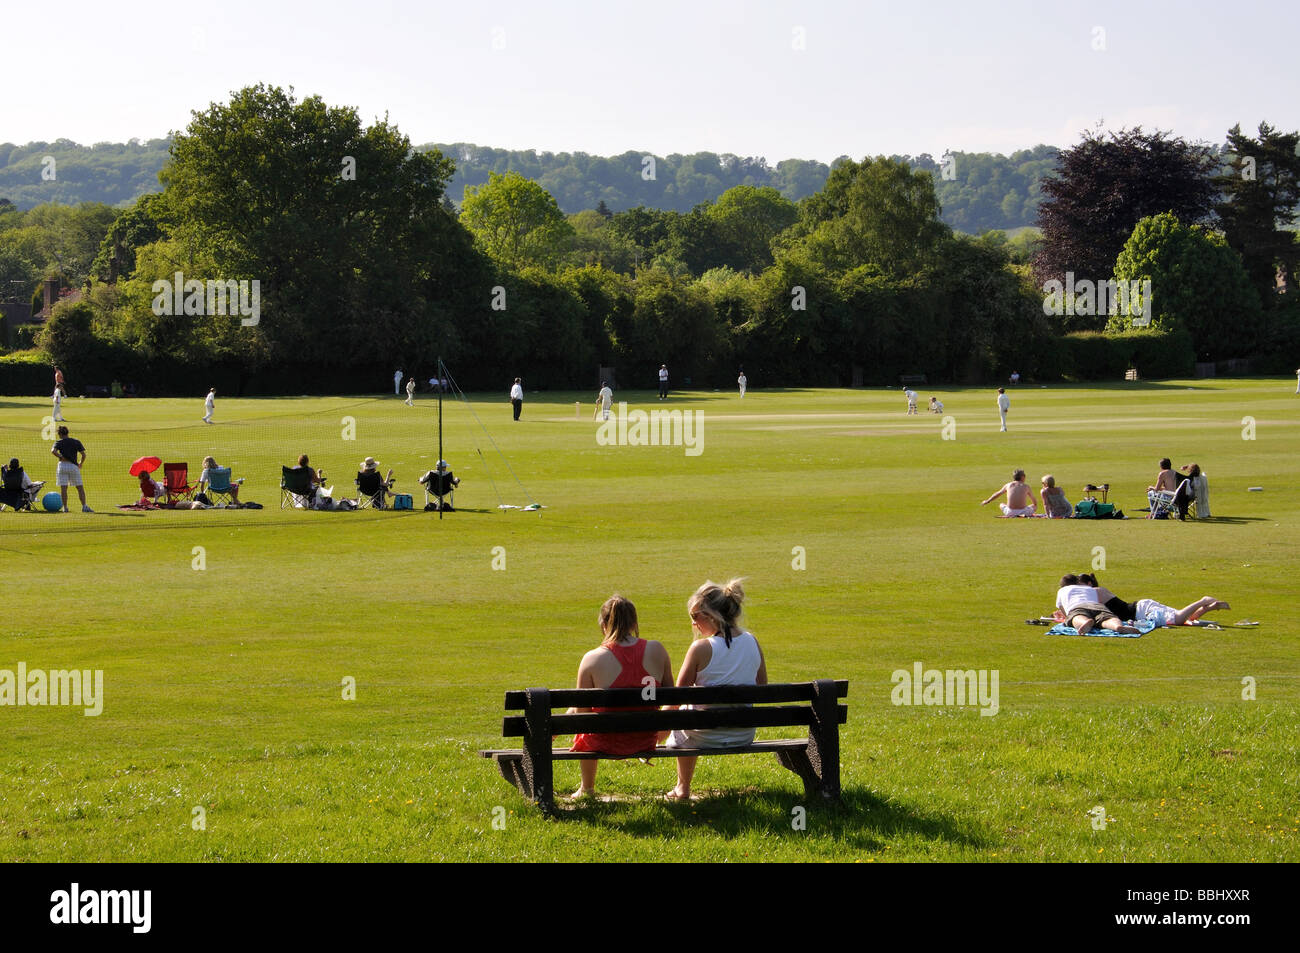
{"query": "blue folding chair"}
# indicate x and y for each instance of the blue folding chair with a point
(219, 486)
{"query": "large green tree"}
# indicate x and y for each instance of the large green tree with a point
(138, 225)
(1107, 184)
(341, 223)
(747, 219)
(1260, 191)
(1197, 285)
(877, 212)
(516, 221)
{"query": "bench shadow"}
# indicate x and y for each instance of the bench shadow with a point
(862, 820)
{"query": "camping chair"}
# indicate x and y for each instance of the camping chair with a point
(441, 484)
(219, 485)
(12, 493)
(371, 488)
(1165, 503)
(296, 488)
(177, 478)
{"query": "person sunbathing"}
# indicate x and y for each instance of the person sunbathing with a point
(1082, 609)
(1054, 502)
(1149, 609)
(1020, 498)
(1166, 482)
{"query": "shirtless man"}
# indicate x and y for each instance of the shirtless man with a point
(1166, 481)
(1018, 493)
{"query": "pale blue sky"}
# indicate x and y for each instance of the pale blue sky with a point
(667, 76)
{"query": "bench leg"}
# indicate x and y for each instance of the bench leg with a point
(798, 762)
(512, 770)
(536, 762)
(824, 740)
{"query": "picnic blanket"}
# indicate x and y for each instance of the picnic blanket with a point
(1144, 626)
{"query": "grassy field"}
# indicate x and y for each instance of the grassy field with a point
(225, 637)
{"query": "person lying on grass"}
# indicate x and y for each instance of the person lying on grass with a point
(1149, 609)
(622, 660)
(1020, 497)
(1083, 611)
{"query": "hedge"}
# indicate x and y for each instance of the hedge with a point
(1091, 355)
(26, 374)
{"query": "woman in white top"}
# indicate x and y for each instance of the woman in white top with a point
(1083, 609)
(722, 654)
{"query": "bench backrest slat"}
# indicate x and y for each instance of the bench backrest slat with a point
(515, 726)
(668, 695)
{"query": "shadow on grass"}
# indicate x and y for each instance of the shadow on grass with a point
(273, 518)
(1126, 385)
(862, 820)
(1232, 520)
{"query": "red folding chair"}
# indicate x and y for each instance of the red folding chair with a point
(177, 477)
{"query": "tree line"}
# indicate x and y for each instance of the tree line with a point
(977, 191)
(364, 264)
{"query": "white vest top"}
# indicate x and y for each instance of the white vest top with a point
(737, 665)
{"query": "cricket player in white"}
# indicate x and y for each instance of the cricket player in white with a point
(1004, 404)
(743, 381)
(410, 392)
(911, 399)
(603, 400)
(397, 384)
(209, 403)
(58, 402)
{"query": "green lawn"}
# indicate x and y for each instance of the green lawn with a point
(224, 685)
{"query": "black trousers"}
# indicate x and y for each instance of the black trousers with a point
(518, 405)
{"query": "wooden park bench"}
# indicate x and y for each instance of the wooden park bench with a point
(816, 759)
(913, 378)
(1131, 374)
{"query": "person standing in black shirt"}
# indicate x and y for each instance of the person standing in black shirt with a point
(71, 455)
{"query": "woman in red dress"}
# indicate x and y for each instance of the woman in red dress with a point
(623, 660)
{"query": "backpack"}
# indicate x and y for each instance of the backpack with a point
(1092, 510)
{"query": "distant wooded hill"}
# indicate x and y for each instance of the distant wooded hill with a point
(981, 191)
(978, 191)
(115, 173)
